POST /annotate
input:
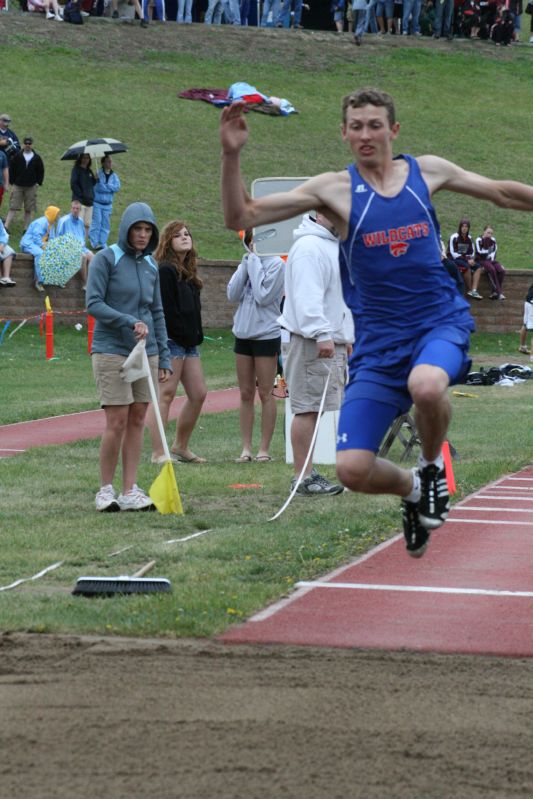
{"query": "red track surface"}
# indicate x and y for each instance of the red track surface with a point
(16, 438)
(472, 592)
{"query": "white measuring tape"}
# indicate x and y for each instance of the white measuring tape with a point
(311, 447)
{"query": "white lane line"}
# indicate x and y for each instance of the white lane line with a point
(513, 488)
(494, 496)
(427, 589)
(485, 507)
(521, 478)
(487, 521)
(10, 449)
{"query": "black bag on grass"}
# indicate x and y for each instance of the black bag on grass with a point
(72, 12)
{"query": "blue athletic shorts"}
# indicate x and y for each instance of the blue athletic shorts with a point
(369, 407)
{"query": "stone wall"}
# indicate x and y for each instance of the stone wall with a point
(23, 301)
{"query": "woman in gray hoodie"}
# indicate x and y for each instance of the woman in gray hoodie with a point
(257, 286)
(124, 298)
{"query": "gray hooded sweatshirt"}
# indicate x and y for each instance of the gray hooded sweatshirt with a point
(123, 288)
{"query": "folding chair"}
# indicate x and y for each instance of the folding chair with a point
(404, 430)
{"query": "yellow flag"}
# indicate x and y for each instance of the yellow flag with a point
(164, 491)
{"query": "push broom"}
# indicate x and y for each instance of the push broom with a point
(109, 586)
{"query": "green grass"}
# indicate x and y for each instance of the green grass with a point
(470, 104)
(245, 562)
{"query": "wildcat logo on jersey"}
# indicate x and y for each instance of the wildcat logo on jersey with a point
(397, 238)
(398, 248)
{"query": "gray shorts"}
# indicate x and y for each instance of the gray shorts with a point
(113, 390)
(23, 196)
(306, 375)
(6, 252)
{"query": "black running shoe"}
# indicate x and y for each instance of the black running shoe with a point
(434, 504)
(416, 536)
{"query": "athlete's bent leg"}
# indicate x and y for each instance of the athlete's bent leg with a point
(428, 386)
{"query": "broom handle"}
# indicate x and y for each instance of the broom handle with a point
(147, 566)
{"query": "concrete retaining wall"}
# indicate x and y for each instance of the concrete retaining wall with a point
(23, 301)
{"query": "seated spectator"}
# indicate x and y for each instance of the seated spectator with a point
(503, 29)
(452, 269)
(52, 10)
(469, 19)
(486, 249)
(137, 11)
(462, 252)
(527, 326)
(7, 254)
(73, 224)
(34, 240)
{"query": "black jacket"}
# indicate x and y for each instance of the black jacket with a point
(26, 174)
(181, 304)
(82, 184)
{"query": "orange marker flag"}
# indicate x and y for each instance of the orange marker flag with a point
(450, 479)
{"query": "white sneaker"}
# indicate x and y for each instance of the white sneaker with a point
(105, 500)
(50, 15)
(135, 499)
(7, 281)
(531, 39)
(58, 18)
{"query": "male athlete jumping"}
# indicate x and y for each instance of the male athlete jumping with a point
(412, 327)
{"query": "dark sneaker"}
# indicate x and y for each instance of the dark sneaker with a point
(434, 504)
(315, 486)
(416, 536)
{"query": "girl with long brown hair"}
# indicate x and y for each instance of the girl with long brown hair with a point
(180, 293)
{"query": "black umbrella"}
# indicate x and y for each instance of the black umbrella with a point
(96, 148)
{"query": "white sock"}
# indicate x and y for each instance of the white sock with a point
(414, 495)
(439, 461)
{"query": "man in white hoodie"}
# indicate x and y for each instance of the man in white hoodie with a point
(322, 334)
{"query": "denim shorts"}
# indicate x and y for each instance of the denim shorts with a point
(177, 351)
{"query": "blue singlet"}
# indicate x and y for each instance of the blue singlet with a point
(401, 297)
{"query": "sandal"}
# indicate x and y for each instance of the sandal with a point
(523, 349)
(184, 459)
(262, 458)
(243, 459)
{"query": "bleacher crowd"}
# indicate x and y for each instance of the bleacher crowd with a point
(496, 20)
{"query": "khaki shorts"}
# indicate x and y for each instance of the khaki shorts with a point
(113, 390)
(86, 214)
(23, 195)
(306, 375)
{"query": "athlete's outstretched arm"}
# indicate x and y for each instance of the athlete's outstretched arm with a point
(241, 211)
(441, 174)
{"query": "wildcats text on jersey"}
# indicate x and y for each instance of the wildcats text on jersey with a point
(394, 235)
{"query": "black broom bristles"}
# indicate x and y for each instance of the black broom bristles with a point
(109, 586)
